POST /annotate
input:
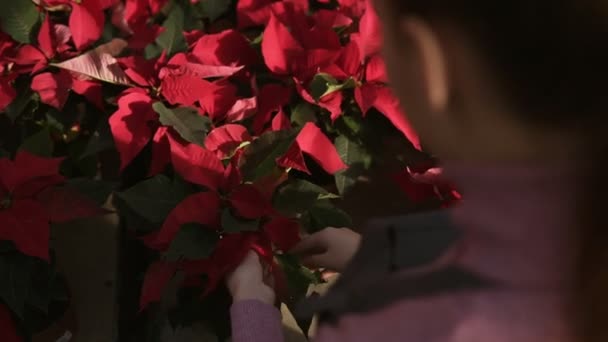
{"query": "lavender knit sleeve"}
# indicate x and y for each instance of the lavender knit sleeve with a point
(254, 321)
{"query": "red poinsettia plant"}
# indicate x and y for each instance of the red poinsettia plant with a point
(230, 126)
(32, 199)
(33, 195)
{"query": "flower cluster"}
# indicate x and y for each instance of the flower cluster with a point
(211, 104)
(227, 118)
(30, 199)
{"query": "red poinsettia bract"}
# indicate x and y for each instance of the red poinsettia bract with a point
(313, 142)
(297, 45)
(133, 18)
(7, 92)
(258, 12)
(87, 18)
(424, 185)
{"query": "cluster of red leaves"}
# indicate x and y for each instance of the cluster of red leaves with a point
(86, 18)
(296, 47)
(301, 46)
(7, 92)
(221, 76)
(31, 198)
(227, 189)
(55, 42)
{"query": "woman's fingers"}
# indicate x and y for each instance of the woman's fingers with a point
(330, 248)
(313, 244)
(316, 260)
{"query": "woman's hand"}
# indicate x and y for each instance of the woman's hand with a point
(331, 248)
(251, 281)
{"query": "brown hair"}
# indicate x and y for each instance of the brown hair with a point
(551, 60)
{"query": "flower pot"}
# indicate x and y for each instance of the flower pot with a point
(87, 255)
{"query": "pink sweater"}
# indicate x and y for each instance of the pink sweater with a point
(518, 229)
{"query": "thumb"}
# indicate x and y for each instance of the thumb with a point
(313, 244)
(252, 258)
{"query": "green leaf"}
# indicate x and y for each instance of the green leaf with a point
(18, 18)
(77, 166)
(15, 272)
(324, 215)
(257, 41)
(193, 20)
(109, 31)
(353, 124)
(193, 242)
(348, 178)
(194, 15)
(303, 113)
(48, 300)
(320, 85)
(214, 9)
(154, 198)
(39, 143)
(101, 140)
(299, 278)
(324, 84)
(350, 152)
(42, 281)
(299, 196)
(345, 181)
(232, 224)
(261, 155)
(356, 158)
(152, 51)
(53, 122)
(172, 40)
(97, 190)
(187, 121)
(18, 106)
(6, 246)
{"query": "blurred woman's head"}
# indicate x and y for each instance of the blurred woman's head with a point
(506, 80)
(513, 81)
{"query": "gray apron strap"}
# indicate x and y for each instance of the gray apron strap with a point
(390, 245)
